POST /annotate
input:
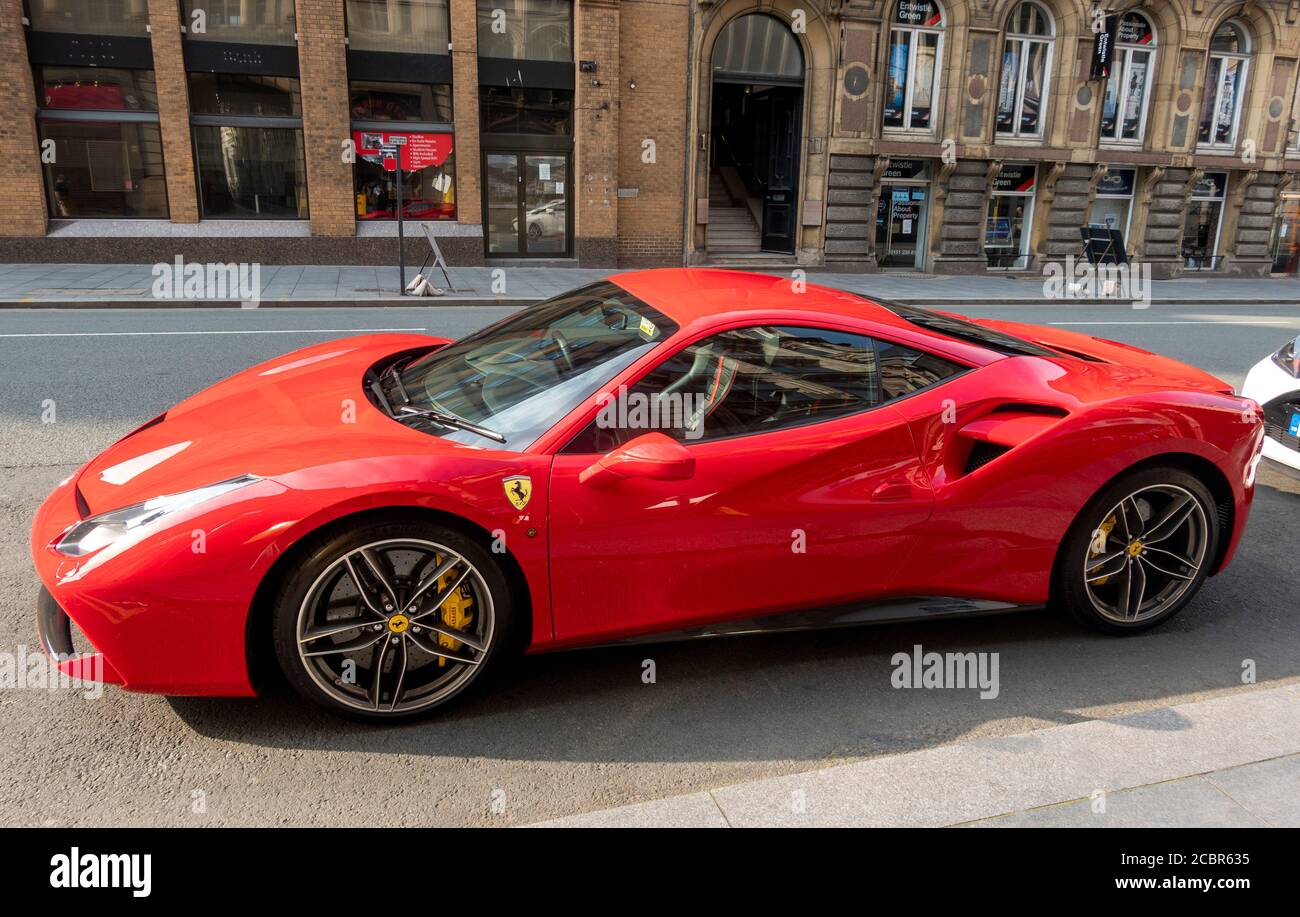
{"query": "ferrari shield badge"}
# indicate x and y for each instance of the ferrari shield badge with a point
(519, 490)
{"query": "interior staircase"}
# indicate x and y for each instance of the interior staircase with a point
(732, 230)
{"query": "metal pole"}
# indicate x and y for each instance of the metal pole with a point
(401, 238)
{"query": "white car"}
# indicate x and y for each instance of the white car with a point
(1275, 383)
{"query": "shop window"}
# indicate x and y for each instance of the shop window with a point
(1010, 217)
(244, 94)
(1286, 236)
(251, 22)
(95, 89)
(516, 110)
(105, 169)
(248, 146)
(1224, 87)
(539, 30)
(428, 176)
(912, 72)
(90, 17)
(378, 101)
(251, 172)
(1128, 89)
(1203, 222)
(404, 26)
(1026, 71)
(111, 166)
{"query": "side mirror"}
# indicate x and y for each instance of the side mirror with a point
(652, 455)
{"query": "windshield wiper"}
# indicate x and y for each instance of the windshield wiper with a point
(448, 419)
(397, 380)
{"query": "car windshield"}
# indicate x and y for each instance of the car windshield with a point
(969, 331)
(519, 376)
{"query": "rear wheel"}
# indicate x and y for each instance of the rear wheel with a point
(1138, 552)
(391, 620)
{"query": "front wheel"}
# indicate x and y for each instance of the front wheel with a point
(1138, 552)
(390, 620)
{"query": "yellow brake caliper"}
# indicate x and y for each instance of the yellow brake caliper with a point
(1099, 545)
(456, 612)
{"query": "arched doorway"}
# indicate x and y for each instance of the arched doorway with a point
(756, 114)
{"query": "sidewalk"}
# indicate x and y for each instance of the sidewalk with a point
(131, 285)
(1228, 761)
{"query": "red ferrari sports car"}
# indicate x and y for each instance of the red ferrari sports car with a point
(670, 452)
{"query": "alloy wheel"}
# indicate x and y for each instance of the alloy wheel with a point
(1146, 553)
(395, 626)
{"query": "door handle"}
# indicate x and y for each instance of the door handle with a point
(896, 489)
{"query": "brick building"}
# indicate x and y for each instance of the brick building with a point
(953, 137)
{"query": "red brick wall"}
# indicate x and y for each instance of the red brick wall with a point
(173, 110)
(653, 38)
(323, 75)
(595, 126)
(465, 109)
(22, 205)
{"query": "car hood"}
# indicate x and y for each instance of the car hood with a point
(1157, 369)
(304, 408)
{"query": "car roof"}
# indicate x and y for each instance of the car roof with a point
(687, 295)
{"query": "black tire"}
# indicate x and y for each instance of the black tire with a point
(1079, 549)
(322, 569)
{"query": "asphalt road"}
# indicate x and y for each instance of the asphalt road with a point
(568, 732)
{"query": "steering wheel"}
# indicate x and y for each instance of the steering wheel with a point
(562, 343)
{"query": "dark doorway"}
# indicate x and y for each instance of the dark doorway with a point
(756, 114)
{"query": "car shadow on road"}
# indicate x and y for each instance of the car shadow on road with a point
(829, 694)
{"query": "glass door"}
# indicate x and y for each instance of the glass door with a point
(502, 171)
(900, 226)
(546, 219)
(527, 204)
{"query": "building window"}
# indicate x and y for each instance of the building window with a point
(1010, 216)
(428, 176)
(1026, 69)
(1293, 137)
(1113, 205)
(372, 100)
(244, 94)
(915, 55)
(402, 26)
(1225, 87)
(108, 159)
(516, 110)
(96, 89)
(526, 29)
(249, 22)
(1124, 109)
(1203, 222)
(248, 146)
(90, 17)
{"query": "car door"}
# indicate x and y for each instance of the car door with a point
(805, 491)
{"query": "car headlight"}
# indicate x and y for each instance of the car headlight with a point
(1287, 357)
(96, 532)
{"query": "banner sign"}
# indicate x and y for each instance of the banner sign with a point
(1018, 178)
(1116, 183)
(918, 12)
(418, 150)
(1103, 49)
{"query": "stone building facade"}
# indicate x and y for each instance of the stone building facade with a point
(967, 136)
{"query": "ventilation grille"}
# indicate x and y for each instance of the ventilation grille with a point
(982, 453)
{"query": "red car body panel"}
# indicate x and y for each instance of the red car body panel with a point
(879, 500)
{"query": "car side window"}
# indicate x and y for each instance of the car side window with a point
(904, 370)
(742, 381)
